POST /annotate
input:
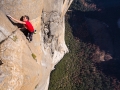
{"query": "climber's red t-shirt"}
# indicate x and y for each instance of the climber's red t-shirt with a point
(29, 26)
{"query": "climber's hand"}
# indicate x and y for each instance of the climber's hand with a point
(9, 16)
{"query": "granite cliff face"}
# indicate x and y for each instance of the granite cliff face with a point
(24, 65)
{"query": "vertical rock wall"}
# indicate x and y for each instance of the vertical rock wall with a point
(52, 37)
(19, 70)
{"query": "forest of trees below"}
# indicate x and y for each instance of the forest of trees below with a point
(78, 70)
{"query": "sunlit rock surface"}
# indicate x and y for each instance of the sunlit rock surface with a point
(24, 65)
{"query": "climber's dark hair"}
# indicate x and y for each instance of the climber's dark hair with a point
(24, 17)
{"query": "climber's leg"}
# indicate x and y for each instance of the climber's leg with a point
(28, 34)
(31, 35)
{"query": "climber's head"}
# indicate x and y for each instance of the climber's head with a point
(25, 18)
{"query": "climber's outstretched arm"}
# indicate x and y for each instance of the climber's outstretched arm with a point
(21, 22)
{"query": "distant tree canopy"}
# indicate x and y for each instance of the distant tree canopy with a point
(83, 5)
(92, 5)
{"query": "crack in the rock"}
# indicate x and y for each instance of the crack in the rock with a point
(7, 36)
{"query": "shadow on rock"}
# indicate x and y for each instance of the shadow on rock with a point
(16, 24)
(1, 62)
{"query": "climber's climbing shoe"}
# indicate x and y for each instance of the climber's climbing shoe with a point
(34, 31)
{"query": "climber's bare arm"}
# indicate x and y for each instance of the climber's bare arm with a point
(21, 22)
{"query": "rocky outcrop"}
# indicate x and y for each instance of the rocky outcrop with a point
(24, 65)
(101, 37)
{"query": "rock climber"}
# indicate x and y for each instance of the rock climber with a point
(25, 21)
